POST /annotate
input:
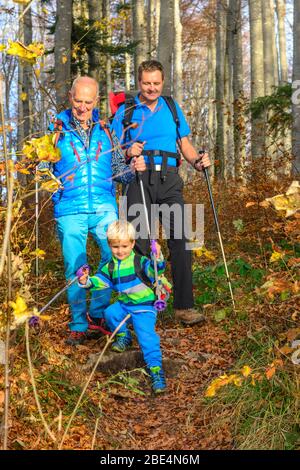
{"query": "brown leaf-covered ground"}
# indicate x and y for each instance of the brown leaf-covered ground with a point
(119, 411)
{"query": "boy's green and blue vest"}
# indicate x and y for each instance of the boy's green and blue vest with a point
(85, 173)
(124, 280)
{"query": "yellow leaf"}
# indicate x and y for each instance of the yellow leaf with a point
(23, 96)
(41, 149)
(246, 371)
(22, 2)
(2, 47)
(20, 310)
(28, 53)
(45, 317)
(37, 73)
(51, 186)
(210, 392)
(38, 253)
(276, 256)
(204, 252)
(64, 59)
(250, 204)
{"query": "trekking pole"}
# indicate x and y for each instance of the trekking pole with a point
(206, 174)
(58, 294)
(159, 304)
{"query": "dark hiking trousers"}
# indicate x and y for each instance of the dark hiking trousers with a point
(167, 193)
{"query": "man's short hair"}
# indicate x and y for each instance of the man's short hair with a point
(150, 66)
(120, 230)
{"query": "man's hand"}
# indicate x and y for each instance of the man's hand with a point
(138, 164)
(135, 150)
(202, 162)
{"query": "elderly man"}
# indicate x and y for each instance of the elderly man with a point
(87, 200)
(159, 126)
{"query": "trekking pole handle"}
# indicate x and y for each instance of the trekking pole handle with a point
(139, 173)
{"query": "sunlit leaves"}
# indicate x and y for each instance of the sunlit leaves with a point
(22, 313)
(204, 252)
(276, 256)
(41, 149)
(38, 253)
(233, 379)
(28, 53)
(288, 203)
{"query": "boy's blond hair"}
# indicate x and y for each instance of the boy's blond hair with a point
(121, 230)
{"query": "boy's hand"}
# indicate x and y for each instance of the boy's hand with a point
(83, 273)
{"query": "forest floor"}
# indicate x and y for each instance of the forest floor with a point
(257, 408)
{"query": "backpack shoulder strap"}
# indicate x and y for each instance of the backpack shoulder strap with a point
(111, 265)
(58, 125)
(128, 113)
(106, 129)
(139, 272)
(172, 107)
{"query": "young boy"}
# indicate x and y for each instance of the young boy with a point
(130, 275)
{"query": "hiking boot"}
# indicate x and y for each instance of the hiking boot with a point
(189, 316)
(158, 379)
(75, 338)
(122, 343)
(97, 324)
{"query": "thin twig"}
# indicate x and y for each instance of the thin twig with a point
(90, 378)
(95, 433)
(6, 254)
(49, 432)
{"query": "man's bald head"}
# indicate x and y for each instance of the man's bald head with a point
(85, 81)
(83, 97)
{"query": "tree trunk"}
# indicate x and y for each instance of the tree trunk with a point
(257, 74)
(25, 126)
(228, 98)
(220, 79)
(238, 89)
(281, 15)
(108, 57)
(210, 132)
(151, 27)
(177, 53)
(94, 56)
(269, 57)
(296, 77)
(139, 34)
(166, 39)
(62, 51)
(157, 19)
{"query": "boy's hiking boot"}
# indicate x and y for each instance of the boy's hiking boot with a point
(75, 338)
(189, 316)
(97, 325)
(158, 379)
(122, 343)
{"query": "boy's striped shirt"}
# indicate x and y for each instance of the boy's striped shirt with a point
(124, 280)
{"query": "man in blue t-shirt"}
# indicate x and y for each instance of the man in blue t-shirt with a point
(153, 133)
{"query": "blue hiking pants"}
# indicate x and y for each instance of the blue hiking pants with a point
(73, 233)
(143, 319)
